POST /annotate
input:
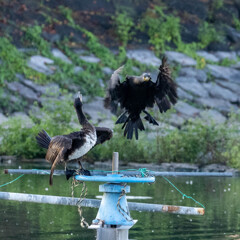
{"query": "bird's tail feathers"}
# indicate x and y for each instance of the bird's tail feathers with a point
(52, 169)
(131, 127)
(43, 139)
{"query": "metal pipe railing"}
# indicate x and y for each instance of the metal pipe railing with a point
(127, 173)
(94, 203)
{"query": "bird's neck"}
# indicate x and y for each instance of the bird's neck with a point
(83, 120)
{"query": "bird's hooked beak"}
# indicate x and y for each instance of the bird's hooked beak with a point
(146, 77)
(80, 96)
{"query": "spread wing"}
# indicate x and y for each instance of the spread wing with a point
(165, 88)
(103, 134)
(114, 91)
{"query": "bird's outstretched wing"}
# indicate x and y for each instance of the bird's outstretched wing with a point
(114, 91)
(103, 134)
(165, 88)
(56, 150)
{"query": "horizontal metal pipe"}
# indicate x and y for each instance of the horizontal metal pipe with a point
(127, 173)
(23, 197)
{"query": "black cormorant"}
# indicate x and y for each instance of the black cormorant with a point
(137, 93)
(73, 146)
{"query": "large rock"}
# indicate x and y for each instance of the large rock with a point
(229, 55)
(186, 109)
(180, 58)
(191, 85)
(90, 59)
(217, 91)
(144, 56)
(51, 89)
(180, 167)
(96, 110)
(107, 71)
(58, 54)
(227, 73)
(236, 65)
(39, 64)
(24, 91)
(212, 115)
(184, 95)
(233, 34)
(30, 84)
(215, 167)
(107, 123)
(208, 56)
(199, 74)
(176, 120)
(229, 85)
(216, 103)
(77, 69)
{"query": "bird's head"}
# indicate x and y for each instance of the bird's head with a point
(146, 77)
(78, 100)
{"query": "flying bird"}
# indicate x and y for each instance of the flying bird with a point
(137, 93)
(73, 146)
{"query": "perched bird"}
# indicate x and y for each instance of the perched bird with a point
(137, 93)
(73, 146)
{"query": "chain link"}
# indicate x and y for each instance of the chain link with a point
(83, 194)
(124, 213)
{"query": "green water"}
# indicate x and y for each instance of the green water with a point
(221, 197)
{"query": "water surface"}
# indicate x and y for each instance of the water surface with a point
(221, 197)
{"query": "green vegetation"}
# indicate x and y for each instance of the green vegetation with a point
(208, 34)
(13, 62)
(19, 137)
(195, 142)
(236, 23)
(124, 27)
(162, 28)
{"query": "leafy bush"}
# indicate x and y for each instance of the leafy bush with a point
(162, 29)
(32, 38)
(208, 34)
(123, 25)
(197, 142)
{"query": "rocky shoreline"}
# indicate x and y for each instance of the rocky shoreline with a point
(106, 165)
(211, 93)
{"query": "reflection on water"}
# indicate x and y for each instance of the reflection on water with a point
(220, 196)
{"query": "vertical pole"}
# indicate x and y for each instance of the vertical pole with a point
(112, 232)
(115, 162)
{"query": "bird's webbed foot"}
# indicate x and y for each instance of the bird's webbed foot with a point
(70, 173)
(84, 172)
(73, 172)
